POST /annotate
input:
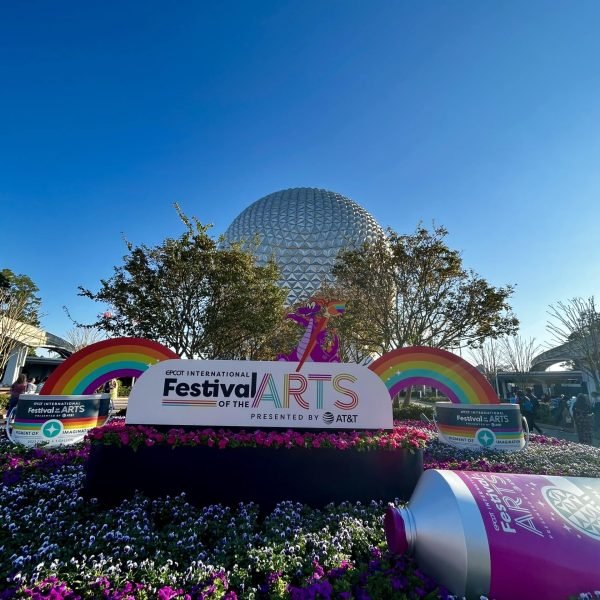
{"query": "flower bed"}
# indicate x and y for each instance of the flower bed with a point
(261, 466)
(407, 436)
(55, 544)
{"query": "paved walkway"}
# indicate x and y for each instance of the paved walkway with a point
(570, 435)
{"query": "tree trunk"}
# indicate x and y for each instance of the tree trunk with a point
(407, 397)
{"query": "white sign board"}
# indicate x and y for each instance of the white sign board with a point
(260, 394)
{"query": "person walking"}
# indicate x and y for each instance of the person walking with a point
(16, 389)
(40, 385)
(584, 418)
(528, 410)
(535, 405)
(112, 387)
(31, 386)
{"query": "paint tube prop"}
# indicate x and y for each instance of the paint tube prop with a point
(504, 536)
(56, 420)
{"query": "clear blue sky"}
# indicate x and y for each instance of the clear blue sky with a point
(483, 116)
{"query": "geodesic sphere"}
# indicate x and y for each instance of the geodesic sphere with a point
(303, 229)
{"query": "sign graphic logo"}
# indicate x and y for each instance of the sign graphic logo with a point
(578, 511)
(486, 437)
(328, 418)
(51, 429)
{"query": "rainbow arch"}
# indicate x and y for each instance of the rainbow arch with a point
(450, 374)
(86, 370)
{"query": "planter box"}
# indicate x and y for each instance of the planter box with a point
(262, 475)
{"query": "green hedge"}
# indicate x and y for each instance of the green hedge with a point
(413, 412)
(543, 414)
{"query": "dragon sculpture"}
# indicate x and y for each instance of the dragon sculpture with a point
(317, 343)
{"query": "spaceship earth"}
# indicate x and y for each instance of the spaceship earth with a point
(303, 229)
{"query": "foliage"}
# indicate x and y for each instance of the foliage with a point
(543, 414)
(22, 287)
(80, 337)
(165, 548)
(411, 290)
(349, 350)
(518, 354)
(19, 309)
(489, 359)
(413, 412)
(577, 324)
(194, 295)
(57, 545)
(544, 456)
(4, 400)
(124, 390)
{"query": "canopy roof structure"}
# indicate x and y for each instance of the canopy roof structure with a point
(28, 336)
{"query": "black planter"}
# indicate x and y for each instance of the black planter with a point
(263, 475)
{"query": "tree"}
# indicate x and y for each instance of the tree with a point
(80, 337)
(489, 358)
(194, 295)
(22, 287)
(518, 353)
(410, 290)
(13, 328)
(19, 311)
(577, 324)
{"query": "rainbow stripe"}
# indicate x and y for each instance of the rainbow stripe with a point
(467, 431)
(459, 381)
(85, 371)
(68, 423)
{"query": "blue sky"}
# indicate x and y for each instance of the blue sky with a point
(483, 116)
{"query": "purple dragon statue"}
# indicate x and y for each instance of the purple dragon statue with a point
(317, 344)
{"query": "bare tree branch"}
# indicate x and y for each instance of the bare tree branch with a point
(518, 353)
(80, 337)
(576, 323)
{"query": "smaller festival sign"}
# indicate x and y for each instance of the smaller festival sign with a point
(56, 420)
(490, 426)
(260, 394)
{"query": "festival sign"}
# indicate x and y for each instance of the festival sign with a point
(474, 417)
(56, 420)
(67, 407)
(260, 394)
(490, 426)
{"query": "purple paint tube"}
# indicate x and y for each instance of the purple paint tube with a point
(508, 537)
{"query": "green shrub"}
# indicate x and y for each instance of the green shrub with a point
(543, 413)
(4, 398)
(413, 412)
